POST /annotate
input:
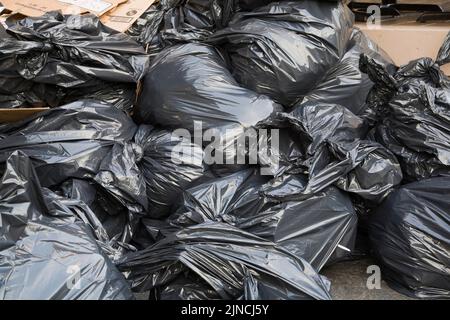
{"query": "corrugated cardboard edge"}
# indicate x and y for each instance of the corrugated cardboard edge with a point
(37, 8)
(123, 17)
(13, 115)
(120, 17)
(407, 42)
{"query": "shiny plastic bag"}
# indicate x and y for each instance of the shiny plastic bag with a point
(413, 112)
(189, 87)
(320, 229)
(444, 52)
(172, 21)
(49, 248)
(87, 141)
(344, 83)
(233, 263)
(286, 48)
(113, 216)
(74, 56)
(410, 235)
(169, 165)
(336, 153)
(190, 82)
(252, 4)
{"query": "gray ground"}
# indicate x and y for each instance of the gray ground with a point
(348, 282)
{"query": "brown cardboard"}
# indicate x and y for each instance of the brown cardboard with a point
(409, 40)
(13, 115)
(122, 17)
(39, 7)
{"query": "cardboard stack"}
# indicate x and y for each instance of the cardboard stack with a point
(116, 14)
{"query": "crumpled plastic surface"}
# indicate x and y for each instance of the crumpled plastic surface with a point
(54, 59)
(49, 247)
(410, 235)
(345, 84)
(172, 21)
(227, 233)
(285, 49)
(118, 222)
(84, 140)
(187, 286)
(252, 4)
(320, 229)
(413, 109)
(336, 153)
(169, 165)
(189, 87)
(444, 52)
(190, 82)
(234, 263)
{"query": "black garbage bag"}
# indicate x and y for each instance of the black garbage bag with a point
(410, 235)
(84, 140)
(171, 21)
(47, 248)
(344, 83)
(412, 108)
(187, 286)
(190, 82)
(320, 229)
(252, 4)
(118, 222)
(285, 49)
(335, 153)
(74, 57)
(169, 165)
(444, 52)
(188, 86)
(233, 263)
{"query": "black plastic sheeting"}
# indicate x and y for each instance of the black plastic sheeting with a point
(232, 262)
(189, 85)
(413, 109)
(286, 48)
(345, 84)
(170, 164)
(444, 52)
(84, 140)
(320, 229)
(44, 239)
(253, 4)
(410, 235)
(168, 22)
(172, 21)
(83, 183)
(335, 152)
(190, 82)
(55, 59)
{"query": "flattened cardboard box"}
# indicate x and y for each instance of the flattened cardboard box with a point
(122, 17)
(409, 40)
(13, 115)
(116, 14)
(39, 7)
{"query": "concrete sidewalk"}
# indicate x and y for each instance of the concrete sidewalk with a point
(348, 282)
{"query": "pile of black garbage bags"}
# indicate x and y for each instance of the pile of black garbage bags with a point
(144, 175)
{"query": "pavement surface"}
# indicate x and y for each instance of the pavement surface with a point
(349, 282)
